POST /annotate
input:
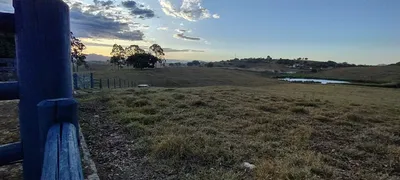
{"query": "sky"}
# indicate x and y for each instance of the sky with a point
(354, 31)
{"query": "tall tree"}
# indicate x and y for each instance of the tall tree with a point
(130, 51)
(142, 60)
(78, 58)
(133, 49)
(118, 55)
(158, 52)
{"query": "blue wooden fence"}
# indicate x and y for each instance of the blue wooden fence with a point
(83, 80)
(47, 112)
(87, 81)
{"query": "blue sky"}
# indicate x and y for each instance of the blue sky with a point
(356, 31)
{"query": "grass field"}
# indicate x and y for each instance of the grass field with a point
(374, 74)
(185, 77)
(288, 131)
(380, 76)
(209, 121)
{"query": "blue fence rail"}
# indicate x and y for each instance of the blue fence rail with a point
(48, 120)
(62, 160)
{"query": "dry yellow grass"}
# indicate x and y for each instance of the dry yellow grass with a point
(288, 131)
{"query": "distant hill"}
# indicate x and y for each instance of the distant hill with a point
(96, 57)
(177, 61)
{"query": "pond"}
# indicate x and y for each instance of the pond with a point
(322, 81)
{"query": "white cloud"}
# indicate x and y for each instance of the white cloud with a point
(6, 6)
(162, 28)
(190, 10)
(216, 16)
(105, 19)
(183, 31)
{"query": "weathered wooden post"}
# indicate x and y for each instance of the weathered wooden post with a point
(124, 83)
(119, 82)
(114, 84)
(44, 70)
(108, 83)
(100, 84)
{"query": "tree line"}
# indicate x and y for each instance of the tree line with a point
(301, 61)
(136, 57)
(130, 56)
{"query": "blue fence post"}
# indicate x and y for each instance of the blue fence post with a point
(60, 138)
(44, 69)
(75, 81)
(91, 81)
(54, 111)
(100, 84)
(108, 83)
(67, 111)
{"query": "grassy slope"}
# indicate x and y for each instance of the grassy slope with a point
(185, 77)
(289, 131)
(378, 74)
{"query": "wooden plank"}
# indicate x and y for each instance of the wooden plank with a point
(7, 23)
(51, 159)
(10, 153)
(70, 161)
(9, 90)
